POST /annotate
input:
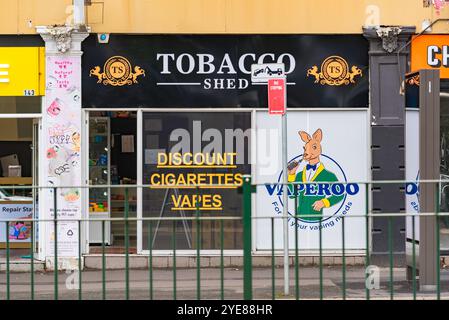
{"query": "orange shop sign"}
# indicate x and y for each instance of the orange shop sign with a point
(431, 52)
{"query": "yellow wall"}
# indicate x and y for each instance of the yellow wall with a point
(22, 16)
(218, 16)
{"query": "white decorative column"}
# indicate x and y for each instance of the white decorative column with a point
(60, 147)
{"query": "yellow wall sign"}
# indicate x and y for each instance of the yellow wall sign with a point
(22, 71)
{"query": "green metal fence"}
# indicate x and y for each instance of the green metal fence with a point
(264, 284)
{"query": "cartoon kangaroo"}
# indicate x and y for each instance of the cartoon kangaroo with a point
(314, 171)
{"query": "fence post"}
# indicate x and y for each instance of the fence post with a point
(247, 239)
(55, 229)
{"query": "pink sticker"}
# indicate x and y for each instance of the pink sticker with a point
(51, 153)
(55, 108)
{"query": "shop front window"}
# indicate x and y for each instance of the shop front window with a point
(444, 165)
(19, 153)
(181, 150)
(20, 105)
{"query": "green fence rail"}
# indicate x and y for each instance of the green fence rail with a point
(252, 281)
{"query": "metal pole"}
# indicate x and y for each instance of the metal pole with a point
(247, 240)
(429, 166)
(8, 276)
(55, 229)
(285, 196)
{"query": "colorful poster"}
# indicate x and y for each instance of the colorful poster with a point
(18, 231)
(62, 143)
(328, 158)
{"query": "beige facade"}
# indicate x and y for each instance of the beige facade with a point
(219, 16)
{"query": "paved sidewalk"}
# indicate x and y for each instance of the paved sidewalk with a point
(186, 284)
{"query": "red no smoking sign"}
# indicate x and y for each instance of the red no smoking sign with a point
(276, 96)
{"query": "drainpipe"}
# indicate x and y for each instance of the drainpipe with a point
(79, 18)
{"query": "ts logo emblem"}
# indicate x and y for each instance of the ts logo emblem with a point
(117, 71)
(334, 72)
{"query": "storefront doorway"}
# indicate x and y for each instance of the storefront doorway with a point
(189, 91)
(444, 166)
(127, 148)
(112, 162)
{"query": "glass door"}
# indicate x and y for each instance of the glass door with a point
(444, 166)
(99, 174)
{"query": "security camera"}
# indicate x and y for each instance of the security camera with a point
(103, 37)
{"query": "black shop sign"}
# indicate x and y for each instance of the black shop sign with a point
(215, 70)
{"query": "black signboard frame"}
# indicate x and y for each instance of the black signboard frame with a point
(176, 71)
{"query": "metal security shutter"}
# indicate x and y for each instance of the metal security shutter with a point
(388, 164)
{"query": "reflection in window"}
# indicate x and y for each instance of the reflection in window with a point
(184, 149)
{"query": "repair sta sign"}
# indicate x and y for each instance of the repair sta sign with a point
(431, 52)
